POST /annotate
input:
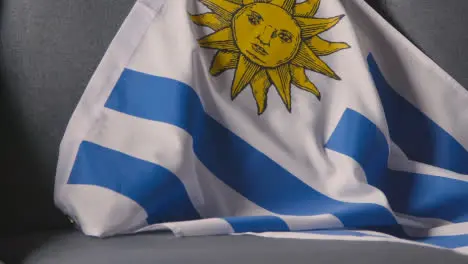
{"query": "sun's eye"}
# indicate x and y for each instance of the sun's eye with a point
(285, 36)
(255, 18)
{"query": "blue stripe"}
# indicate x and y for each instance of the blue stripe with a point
(420, 138)
(228, 157)
(357, 137)
(427, 196)
(257, 224)
(153, 187)
(408, 193)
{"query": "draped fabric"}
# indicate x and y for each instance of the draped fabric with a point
(308, 119)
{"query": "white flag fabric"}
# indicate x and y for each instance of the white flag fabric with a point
(281, 118)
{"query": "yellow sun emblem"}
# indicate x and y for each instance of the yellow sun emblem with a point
(268, 42)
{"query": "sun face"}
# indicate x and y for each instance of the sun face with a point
(268, 42)
(266, 34)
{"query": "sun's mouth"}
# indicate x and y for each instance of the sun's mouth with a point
(259, 49)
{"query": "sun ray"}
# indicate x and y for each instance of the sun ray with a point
(222, 40)
(287, 5)
(313, 26)
(260, 85)
(281, 78)
(307, 59)
(323, 47)
(211, 20)
(224, 60)
(223, 8)
(245, 71)
(300, 79)
(307, 9)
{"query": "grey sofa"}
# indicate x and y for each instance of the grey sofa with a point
(50, 48)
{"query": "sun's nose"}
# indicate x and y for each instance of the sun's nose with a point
(266, 35)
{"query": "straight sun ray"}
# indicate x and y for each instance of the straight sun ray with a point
(223, 60)
(307, 9)
(260, 85)
(245, 71)
(222, 40)
(281, 78)
(211, 20)
(307, 59)
(313, 26)
(300, 79)
(225, 9)
(323, 47)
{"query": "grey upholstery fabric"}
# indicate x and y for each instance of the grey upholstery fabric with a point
(73, 247)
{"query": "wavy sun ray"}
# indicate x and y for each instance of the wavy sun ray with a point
(268, 42)
(322, 47)
(221, 40)
(260, 85)
(281, 78)
(307, 9)
(306, 58)
(225, 9)
(224, 60)
(211, 20)
(313, 26)
(245, 71)
(299, 79)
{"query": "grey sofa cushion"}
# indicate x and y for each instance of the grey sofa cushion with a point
(72, 247)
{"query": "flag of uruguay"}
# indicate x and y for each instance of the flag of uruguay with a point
(273, 117)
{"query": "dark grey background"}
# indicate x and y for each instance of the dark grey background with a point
(49, 50)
